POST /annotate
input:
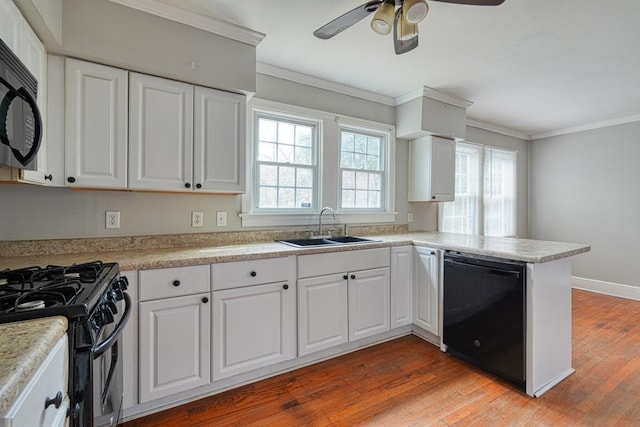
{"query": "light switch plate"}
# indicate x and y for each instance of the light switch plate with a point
(410, 217)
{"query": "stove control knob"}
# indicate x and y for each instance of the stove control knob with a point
(112, 307)
(123, 283)
(116, 295)
(107, 315)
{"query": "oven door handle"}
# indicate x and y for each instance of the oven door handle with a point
(101, 348)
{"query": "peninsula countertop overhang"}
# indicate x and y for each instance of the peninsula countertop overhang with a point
(526, 250)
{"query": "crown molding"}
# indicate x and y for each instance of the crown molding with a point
(428, 92)
(202, 22)
(592, 126)
(305, 79)
(498, 129)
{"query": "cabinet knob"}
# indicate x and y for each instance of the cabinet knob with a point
(176, 283)
(285, 287)
(48, 177)
(187, 185)
(71, 179)
(253, 274)
(56, 401)
(198, 185)
(205, 300)
(433, 197)
(353, 276)
(345, 277)
(433, 253)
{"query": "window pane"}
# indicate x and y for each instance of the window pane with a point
(268, 175)
(348, 198)
(362, 179)
(359, 161)
(268, 130)
(303, 198)
(304, 178)
(303, 156)
(267, 152)
(348, 180)
(346, 160)
(499, 192)
(268, 197)
(286, 132)
(373, 163)
(375, 182)
(360, 144)
(285, 153)
(287, 177)
(286, 198)
(361, 198)
(374, 199)
(347, 141)
(304, 136)
(373, 146)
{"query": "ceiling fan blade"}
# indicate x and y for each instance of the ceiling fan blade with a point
(474, 2)
(402, 46)
(343, 22)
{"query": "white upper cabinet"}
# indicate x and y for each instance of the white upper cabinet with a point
(95, 125)
(432, 162)
(219, 148)
(11, 25)
(160, 134)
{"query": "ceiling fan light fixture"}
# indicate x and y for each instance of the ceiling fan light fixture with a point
(415, 11)
(406, 30)
(382, 21)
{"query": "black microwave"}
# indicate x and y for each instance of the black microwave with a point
(20, 119)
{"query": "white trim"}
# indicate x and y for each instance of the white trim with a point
(428, 92)
(196, 20)
(606, 288)
(591, 126)
(305, 79)
(498, 129)
(311, 220)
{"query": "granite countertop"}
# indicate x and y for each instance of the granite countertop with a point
(23, 347)
(533, 251)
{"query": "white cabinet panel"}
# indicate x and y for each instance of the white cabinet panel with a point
(228, 275)
(11, 25)
(160, 134)
(432, 169)
(339, 262)
(95, 125)
(426, 289)
(401, 286)
(172, 282)
(253, 327)
(219, 144)
(369, 294)
(174, 345)
(322, 313)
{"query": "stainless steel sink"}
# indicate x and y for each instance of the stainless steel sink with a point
(331, 241)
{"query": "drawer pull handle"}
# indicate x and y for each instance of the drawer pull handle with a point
(353, 276)
(285, 287)
(56, 401)
(345, 277)
(253, 274)
(205, 300)
(176, 283)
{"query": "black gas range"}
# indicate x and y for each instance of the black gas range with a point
(92, 296)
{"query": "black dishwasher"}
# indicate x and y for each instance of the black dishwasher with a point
(484, 313)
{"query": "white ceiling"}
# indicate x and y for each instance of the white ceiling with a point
(529, 66)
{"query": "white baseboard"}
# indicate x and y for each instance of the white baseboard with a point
(607, 288)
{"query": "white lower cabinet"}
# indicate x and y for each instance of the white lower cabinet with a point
(425, 311)
(322, 313)
(253, 327)
(50, 380)
(369, 293)
(401, 286)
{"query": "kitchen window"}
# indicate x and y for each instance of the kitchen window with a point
(485, 192)
(362, 166)
(302, 160)
(286, 163)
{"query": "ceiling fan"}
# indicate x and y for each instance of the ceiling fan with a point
(401, 16)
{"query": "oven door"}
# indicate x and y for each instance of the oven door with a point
(107, 369)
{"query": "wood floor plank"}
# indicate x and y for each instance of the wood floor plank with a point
(408, 382)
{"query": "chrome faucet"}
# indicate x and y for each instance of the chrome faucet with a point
(326, 208)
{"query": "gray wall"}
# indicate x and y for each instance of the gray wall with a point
(584, 187)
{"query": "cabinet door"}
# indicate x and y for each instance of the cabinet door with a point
(401, 286)
(174, 345)
(35, 58)
(95, 125)
(160, 134)
(219, 143)
(322, 313)
(426, 289)
(369, 293)
(253, 327)
(11, 22)
(443, 166)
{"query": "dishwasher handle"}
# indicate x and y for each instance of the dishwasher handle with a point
(484, 268)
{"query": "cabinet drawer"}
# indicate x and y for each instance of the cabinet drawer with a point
(49, 379)
(172, 282)
(342, 262)
(229, 275)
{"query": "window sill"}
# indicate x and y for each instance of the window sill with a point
(311, 220)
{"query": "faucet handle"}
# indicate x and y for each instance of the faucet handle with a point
(346, 230)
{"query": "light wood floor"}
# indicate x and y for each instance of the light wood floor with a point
(408, 382)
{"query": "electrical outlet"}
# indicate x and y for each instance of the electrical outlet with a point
(221, 219)
(112, 219)
(197, 219)
(410, 217)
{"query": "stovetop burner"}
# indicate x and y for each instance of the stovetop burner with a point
(71, 291)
